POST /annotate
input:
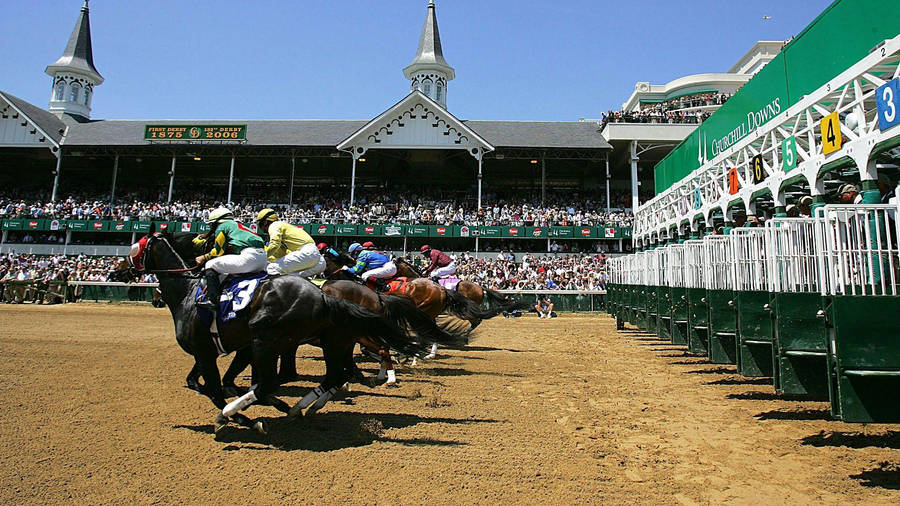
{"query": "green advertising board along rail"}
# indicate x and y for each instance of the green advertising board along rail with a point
(320, 229)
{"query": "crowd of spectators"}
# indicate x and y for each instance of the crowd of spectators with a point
(333, 207)
(679, 110)
(534, 272)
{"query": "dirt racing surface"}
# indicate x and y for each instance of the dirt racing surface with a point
(562, 411)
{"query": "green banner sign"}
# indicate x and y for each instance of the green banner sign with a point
(490, 231)
(369, 230)
(417, 230)
(141, 227)
(441, 231)
(393, 230)
(562, 232)
(195, 132)
(345, 229)
(536, 232)
(14, 224)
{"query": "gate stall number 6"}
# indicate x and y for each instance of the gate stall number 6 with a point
(886, 102)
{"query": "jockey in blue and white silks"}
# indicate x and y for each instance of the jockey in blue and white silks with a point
(371, 263)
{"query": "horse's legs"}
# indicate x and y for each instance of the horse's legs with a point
(288, 370)
(387, 366)
(335, 351)
(264, 361)
(193, 378)
(433, 352)
(240, 362)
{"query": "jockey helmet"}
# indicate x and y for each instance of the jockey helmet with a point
(368, 245)
(425, 248)
(219, 214)
(321, 246)
(266, 214)
(354, 247)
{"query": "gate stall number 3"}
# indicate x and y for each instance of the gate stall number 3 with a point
(886, 102)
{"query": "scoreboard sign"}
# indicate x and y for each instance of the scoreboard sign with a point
(195, 132)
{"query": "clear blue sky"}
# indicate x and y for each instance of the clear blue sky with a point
(342, 59)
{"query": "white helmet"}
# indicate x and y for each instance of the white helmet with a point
(219, 214)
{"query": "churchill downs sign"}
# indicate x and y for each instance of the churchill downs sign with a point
(755, 119)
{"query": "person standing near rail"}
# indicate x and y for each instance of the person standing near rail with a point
(290, 248)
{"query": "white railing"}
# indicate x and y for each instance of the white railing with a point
(793, 264)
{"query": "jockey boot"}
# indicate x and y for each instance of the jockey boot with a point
(213, 291)
(381, 285)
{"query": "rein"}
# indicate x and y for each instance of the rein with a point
(173, 272)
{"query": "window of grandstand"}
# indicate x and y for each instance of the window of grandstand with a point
(60, 91)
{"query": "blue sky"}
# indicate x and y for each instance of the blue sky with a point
(342, 59)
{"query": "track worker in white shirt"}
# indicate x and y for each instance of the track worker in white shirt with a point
(290, 249)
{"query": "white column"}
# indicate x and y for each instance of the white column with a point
(608, 205)
(634, 177)
(171, 180)
(353, 181)
(56, 176)
(112, 192)
(230, 178)
(479, 183)
(291, 189)
(543, 182)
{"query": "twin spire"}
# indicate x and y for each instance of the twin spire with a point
(429, 71)
(78, 55)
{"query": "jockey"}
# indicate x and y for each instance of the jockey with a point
(371, 264)
(290, 249)
(236, 250)
(325, 249)
(441, 264)
(369, 245)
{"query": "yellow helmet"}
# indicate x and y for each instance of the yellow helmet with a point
(266, 214)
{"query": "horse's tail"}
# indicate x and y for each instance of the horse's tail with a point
(404, 311)
(357, 320)
(497, 300)
(459, 306)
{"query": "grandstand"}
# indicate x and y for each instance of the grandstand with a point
(415, 150)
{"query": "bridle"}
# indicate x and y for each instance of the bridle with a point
(138, 265)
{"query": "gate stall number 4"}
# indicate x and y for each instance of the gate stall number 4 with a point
(887, 102)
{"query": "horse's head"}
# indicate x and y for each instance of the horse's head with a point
(334, 261)
(159, 251)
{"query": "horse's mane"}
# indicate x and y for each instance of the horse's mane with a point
(183, 242)
(412, 267)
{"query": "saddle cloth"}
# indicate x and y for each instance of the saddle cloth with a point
(449, 283)
(395, 285)
(237, 292)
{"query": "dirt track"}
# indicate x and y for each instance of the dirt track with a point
(563, 411)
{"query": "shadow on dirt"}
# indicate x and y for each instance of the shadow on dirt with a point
(740, 380)
(325, 432)
(714, 370)
(796, 414)
(491, 348)
(890, 439)
(886, 475)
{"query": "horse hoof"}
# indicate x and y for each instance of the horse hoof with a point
(296, 411)
(260, 427)
(234, 391)
(429, 356)
(392, 384)
(221, 422)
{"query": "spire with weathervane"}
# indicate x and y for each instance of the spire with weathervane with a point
(429, 72)
(74, 75)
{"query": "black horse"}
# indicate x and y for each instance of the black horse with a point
(284, 312)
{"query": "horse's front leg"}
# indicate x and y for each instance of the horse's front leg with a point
(288, 370)
(240, 362)
(193, 379)
(335, 350)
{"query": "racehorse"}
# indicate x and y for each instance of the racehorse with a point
(430, 297)
(284, 311)
(468, 289)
